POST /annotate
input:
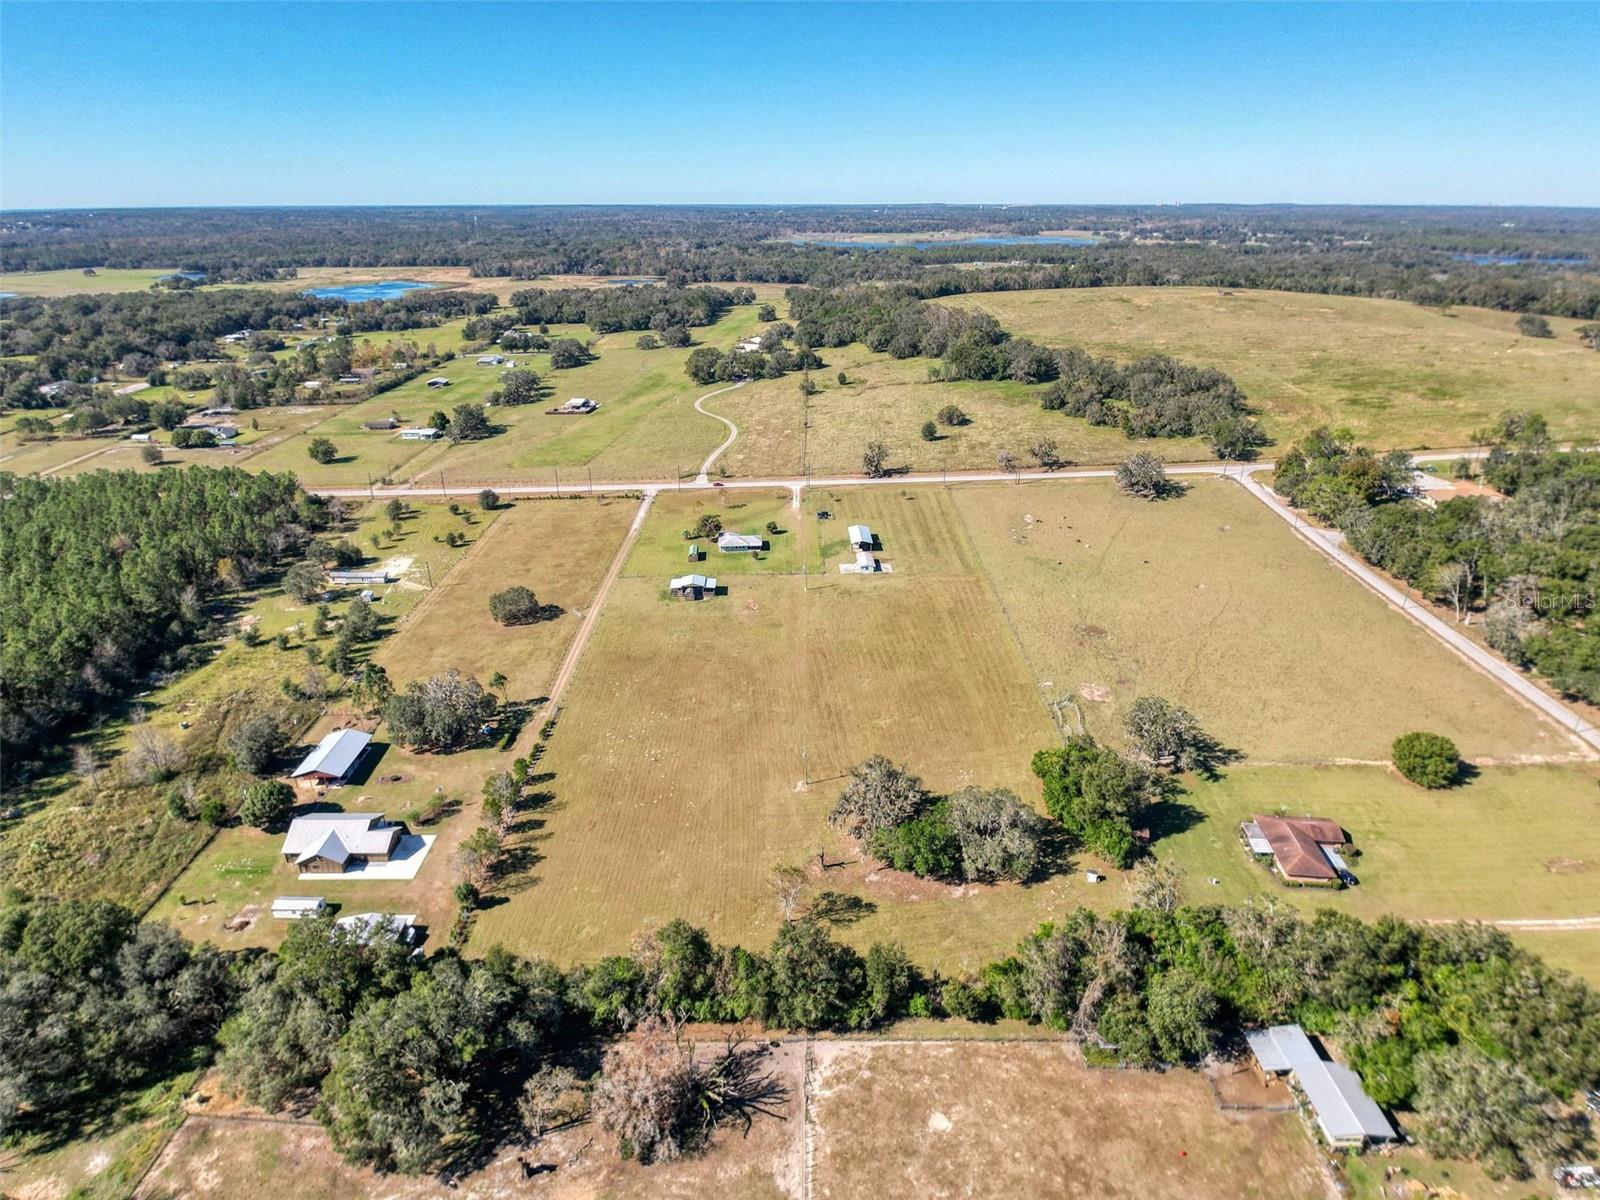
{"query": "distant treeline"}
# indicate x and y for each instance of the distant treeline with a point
(1540, 260)
(104, 574)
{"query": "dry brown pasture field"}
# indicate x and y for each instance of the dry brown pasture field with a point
(702, 744)
(919, 1121)
(1211, 601)
(1396, 373)
(900, 1122)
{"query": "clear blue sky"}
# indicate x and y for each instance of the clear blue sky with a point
(284, 103)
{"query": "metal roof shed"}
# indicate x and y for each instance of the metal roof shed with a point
(1348, 1115)
(860, 537)
(335, 754)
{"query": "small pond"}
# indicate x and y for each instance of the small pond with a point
(355, 293)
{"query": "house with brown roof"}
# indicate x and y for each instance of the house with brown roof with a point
(1304, 850)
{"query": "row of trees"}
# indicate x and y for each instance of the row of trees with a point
(1530, 565)
(411, 1062)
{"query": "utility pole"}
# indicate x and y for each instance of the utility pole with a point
(370, 497)
(558, 482)
(429, 566)
(443, 487)
(591, 479)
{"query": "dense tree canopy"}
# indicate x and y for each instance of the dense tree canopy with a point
(104, 572)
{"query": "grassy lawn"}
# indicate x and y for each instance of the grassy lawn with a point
(1212, 602)
(646, 426)
(1032, 1120)
(662, 552)
(1395, 373)
(1514, 842)
(74, 282)
(887, 399)
(701, 744)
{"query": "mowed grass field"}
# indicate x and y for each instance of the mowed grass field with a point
(74, 282)
(1212, 602)
(700, 745)
(1510, 843)
(559, 549)
(884, 399)
(1397, 374)
(942, 1120)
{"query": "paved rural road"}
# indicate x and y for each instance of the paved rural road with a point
(733, 431)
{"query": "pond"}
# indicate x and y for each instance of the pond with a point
(1040, 239)
(355, 293)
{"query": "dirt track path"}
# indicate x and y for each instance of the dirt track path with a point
(591, 618)
(733, 432)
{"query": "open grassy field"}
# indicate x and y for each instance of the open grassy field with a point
(1513, 842)
(1212, 602)
(1393, 372)
(75, 283)
(646, 427)
(1032, 1120)
(887, 399)
(557, 548)
(701, 744)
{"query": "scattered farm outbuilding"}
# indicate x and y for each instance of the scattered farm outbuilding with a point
(696, 554)
(335, 756)
(331, 843)
(138, 437)
(1304, 849)
(361, 578)
(292, 908)
(693, 587)
(419, 433)
(491, 360)
(438, 381)
(381, 424)
(1343, 1111)
(740, 543)
(864, 564)
(576, 406)
(862, 537)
